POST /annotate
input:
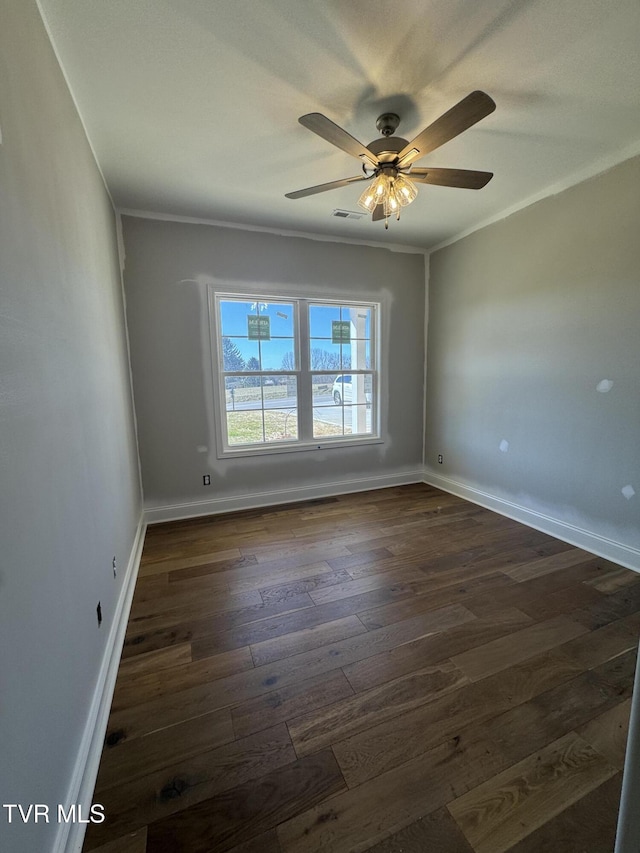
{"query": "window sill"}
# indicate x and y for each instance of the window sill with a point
(308, 447)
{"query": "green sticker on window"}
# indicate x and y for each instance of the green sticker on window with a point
(258, 328)
(340, 332)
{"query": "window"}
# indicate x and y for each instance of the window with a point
(294, 372)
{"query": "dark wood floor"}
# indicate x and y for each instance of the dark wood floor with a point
(390, 671)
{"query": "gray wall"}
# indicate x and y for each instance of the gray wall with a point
(526, 318)
(171, 360)
(69, 496)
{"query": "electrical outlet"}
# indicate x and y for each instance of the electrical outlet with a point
(206, 480)
(99, 612)
(115, 568)
(440, 459)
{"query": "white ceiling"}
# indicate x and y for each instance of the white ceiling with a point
(192, 105)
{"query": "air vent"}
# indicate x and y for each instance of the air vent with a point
(348, 214)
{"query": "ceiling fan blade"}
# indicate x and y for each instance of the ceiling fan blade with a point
(322, 188)
(466, 113)
(378, 213)
(464, 178)
(334, 134)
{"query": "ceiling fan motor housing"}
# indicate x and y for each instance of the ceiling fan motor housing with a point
(387, 148)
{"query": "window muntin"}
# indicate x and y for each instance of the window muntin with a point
(294, 371)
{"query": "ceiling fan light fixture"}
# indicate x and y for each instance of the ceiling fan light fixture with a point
(406, 191)
(391, 205)
(367, 200)
(375, 193)
(389, 189)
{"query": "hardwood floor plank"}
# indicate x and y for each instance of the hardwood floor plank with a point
(318, 729)
(267, 842)
(178, 607)
(299, 620)
(231, 629)
(131, 759)
(204, 571)
(597, 647)
(355, 820)
(623, 602)
(618, 673)
(152, 587)
(290, 702)
(607, 733)
(158, 795)
(561, 602)
(282, 591)
(491, 556)
(523, 593)
(148, 567)
(255, 579)
(435, 833)
(614, 579)
(297, 642)
(355, 587)
(134, 842)
(240, 687)
(466, 634)
(499, 813)
(499, 654)
(261, 631)
(317, 551)
(149, 662)
(587, 825)
(545, 565)
(242, 813)
(385, 614)
(376, 750)
(223, 620)
(137, 689)
(527, 728)
(357, 561)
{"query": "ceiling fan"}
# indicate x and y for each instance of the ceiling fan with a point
(387, 163)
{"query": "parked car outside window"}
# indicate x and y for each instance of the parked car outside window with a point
(342, 390)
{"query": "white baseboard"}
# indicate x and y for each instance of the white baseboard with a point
(70, 836)
(617, 552)
(255, 500)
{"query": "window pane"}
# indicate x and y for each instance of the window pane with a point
(243, 392)
(360, 318)
(356, 355)
(261, 409)
(324, 355)
(279, 392)
(278, 354)
(257, 335)
(245, 428)
(233, 317)
(320, 319)
(322, 389)
(357, 420)
(238, 352)
(327, 420)
(360, 391)
(280, 318)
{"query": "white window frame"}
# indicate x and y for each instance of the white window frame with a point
(305, 441)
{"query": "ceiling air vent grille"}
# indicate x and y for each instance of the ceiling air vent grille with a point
(348, 214)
